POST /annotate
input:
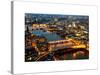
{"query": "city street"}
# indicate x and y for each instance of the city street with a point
(56, 37)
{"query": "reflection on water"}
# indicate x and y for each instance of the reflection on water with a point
(48, 36)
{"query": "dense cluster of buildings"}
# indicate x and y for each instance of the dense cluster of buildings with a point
(55, 38)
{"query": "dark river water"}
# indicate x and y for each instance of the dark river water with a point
(48, 35)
